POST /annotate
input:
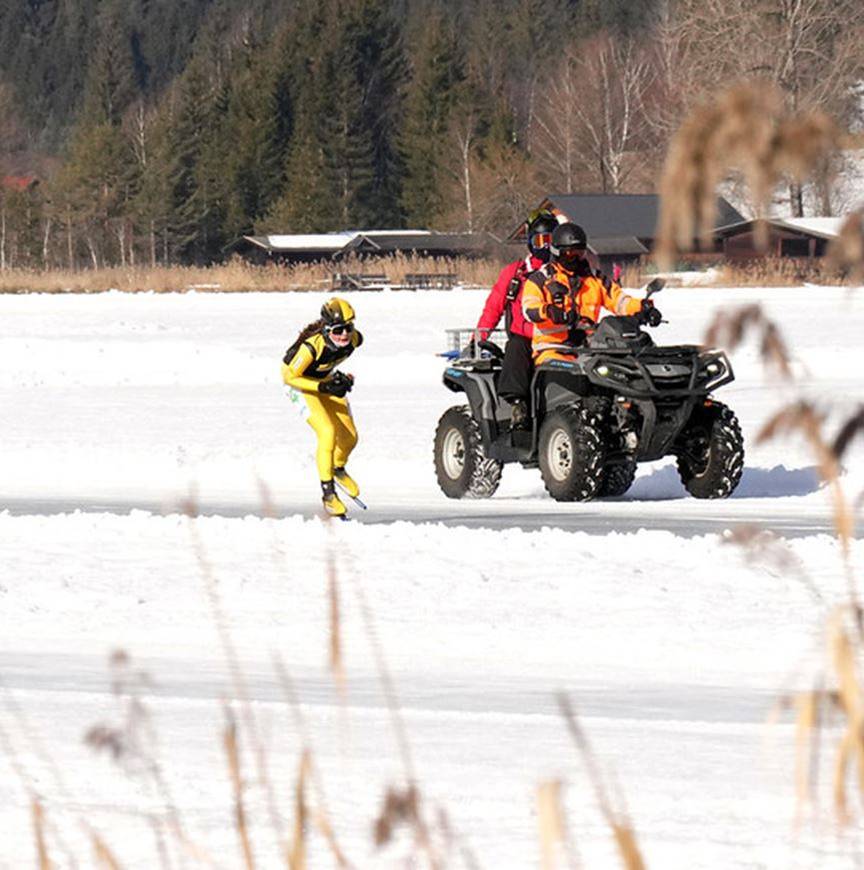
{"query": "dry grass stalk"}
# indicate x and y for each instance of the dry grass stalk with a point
(616, 817)
(763, 546)
(847, 250)
(337, 664)
(320, 816)
(843, 654)
(39, 833)
(812, 708)
(747, 128)
(400, 807)
(232, 753)
(220, 619)
(729, 328)
(103, 855)
(239, 276)
(552, 821)
(802, 417)
(297, 850)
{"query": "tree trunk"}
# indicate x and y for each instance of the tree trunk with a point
(46, 242)
(796, 199)
(92, 248)
(69, 246)
(153, 244)
(3, 235)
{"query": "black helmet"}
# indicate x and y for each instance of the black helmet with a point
(568, 244)
(541, 225)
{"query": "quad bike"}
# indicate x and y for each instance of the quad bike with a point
(622, 400)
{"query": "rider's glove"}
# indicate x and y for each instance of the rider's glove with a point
(337, 385)
(557, 291)
(557, 314)
(649, 314)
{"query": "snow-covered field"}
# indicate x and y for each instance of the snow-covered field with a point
(672, 648)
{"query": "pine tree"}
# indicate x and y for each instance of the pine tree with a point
(431, 99)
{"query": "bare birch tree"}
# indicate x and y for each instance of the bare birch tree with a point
(592, 115)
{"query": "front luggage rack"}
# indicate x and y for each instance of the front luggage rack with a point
(459, 343)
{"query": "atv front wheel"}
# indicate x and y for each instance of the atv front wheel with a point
(571, 453)
(711, 453)
(461, 465)
(617, 478)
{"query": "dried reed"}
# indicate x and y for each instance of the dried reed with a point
(240, 276)
(553, 823)
(847, 250)
(763, 546)
(616, 817)
(803, 418)
(729, 329)
(104, 856)
(39, 833)
(746, 128)
(220, 620)
(232, 753)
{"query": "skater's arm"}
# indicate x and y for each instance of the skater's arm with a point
(292, 371)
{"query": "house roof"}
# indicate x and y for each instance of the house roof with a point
(371, 241)
(616, 245)
(619, 215)
(820, 227)
(19, 183)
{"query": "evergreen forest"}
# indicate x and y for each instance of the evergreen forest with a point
(159, 131)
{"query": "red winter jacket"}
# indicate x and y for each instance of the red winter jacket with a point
(497, 300)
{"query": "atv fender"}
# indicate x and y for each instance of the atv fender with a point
(479, 389)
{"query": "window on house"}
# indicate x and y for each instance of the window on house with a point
(794, 247)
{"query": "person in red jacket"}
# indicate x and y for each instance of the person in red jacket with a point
(514, 383)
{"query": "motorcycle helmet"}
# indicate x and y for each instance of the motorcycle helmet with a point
(540, 226)
(568, 245)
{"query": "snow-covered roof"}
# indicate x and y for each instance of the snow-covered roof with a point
(304, 241)
(366, 241)
(323, 241)
(829, 227)
(824, 227)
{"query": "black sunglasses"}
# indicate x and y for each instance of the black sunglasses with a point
(341, 328)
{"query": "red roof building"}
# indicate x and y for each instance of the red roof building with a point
(19, 183)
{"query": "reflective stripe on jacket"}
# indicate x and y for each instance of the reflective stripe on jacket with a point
(586, 295)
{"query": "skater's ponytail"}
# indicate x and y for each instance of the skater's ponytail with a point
(307, 332)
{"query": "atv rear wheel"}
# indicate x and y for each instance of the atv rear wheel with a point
(571, 453)
(711, 453)
(461, 465)
(617, 478)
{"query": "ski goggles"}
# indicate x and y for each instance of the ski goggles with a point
(570, 254)
(541, 240)
(341, 329)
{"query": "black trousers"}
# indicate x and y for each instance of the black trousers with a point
(517, 369)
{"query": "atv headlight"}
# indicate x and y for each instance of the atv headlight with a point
(603, 371)
(713, 368)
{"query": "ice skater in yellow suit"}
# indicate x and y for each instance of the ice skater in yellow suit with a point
(309, 366)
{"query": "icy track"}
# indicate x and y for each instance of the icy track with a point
(672, 643)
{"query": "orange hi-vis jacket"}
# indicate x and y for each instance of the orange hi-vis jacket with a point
(585, 294)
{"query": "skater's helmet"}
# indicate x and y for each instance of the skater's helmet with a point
(541, 225)
(338, 317)
(336, 312)
(568, 244)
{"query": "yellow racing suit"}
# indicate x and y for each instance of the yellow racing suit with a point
(305, 367)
